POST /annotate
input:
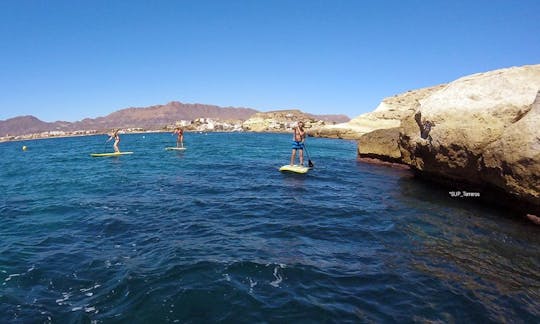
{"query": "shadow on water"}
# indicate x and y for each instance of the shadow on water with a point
(296, 181)
(477, 251)
(458, 248)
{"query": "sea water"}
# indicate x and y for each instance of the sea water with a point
(217, 234)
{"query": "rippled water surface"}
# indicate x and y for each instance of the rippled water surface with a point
(216, 233)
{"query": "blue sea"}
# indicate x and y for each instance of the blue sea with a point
(217, 234)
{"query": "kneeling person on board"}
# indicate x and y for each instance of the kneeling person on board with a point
(299, 136)
(116, 140)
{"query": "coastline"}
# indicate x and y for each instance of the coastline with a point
(138, 130)
(30, 137)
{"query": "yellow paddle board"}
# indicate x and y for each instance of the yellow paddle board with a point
(294, 168)
(110, 154)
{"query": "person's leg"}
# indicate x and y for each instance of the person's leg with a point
(293, 154)
(115, 146)
(301, 156)
(182, 140)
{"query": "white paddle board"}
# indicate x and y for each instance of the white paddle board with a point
(175, 148)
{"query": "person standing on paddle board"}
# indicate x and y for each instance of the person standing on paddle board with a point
(299, 135)
(180, 138)
(116, 140)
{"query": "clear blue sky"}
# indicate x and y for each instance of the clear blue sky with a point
(67, 60)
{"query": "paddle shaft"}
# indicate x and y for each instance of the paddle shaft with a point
(310, 164)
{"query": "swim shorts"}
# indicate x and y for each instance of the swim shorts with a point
(297, 145)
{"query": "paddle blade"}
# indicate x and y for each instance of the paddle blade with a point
(310, 164)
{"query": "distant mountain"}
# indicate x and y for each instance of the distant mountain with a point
(162, 115)
(24, 125)
(137, 117)
(146, 117)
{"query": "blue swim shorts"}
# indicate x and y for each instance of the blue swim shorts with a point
(297, 145)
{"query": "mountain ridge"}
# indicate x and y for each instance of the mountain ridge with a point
(156, 116)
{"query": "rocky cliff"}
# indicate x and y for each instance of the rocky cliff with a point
(476, 133)
(480, 130)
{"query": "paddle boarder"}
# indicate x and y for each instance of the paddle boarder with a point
(180, 138)
(299, 135)
(116, 140)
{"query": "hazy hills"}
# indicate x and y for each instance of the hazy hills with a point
(151, 117)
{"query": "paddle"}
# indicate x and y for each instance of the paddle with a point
(310, 164)
(105, 144)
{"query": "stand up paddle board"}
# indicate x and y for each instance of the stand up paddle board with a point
(110, 154)
(294, 168)
(172, 148)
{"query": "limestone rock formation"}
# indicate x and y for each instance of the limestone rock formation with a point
(513, 161)
(380, 144)
(280, 121)
(387, 115)
(481, 130)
